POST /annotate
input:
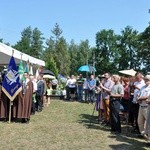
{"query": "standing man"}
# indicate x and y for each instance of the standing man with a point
(32, 78)
(86, 91)
(80, 82)
(91, 86)
(147, 126)
(141, 99)
(67, 88)
(106, 86)
(138, 84)
(39, 93)
(116, 94)
(27, 98)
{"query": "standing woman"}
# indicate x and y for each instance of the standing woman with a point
(72, 86)
(130, 108)
(49, 92)
(125, 98)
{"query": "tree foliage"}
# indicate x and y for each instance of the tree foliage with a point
(106, 50)
(128, 48)
(62, 57)
(24, 45)
(31, 42)
(144, 51)
(113, 52)
(73, 53)
(36, 43)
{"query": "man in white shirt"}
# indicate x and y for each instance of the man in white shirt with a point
(138, 84)
(141, 99)
(32, 78)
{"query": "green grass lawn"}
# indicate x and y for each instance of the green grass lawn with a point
(65, 126)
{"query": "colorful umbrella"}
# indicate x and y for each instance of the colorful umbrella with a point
(87, 68)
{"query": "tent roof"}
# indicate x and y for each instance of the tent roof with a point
(6, 53)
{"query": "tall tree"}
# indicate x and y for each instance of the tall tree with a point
(57, 31)
(83, 53)
(144, 51)
(31, 42)
(62, 57)
(58, 50)
(73, 52)
(106, 49)
(48, 56)
(1, 40)
(128, 49)
(51, 65)
(36, 43)
(24, 45)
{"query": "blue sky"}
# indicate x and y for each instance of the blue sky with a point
(79, 19)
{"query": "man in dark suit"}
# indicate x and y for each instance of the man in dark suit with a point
(39, 93)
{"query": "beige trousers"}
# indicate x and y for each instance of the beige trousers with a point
(147, 130)
(142, 117)
(106, 109)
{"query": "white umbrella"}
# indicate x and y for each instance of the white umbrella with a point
(47, 76)
(129, 72)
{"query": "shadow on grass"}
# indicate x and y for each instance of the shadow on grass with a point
(90, 121)
(128, 146)
(130, 141)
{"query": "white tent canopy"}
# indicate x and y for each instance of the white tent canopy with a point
(6, 53)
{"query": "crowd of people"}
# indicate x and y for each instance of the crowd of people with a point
(116, 96)
(32, 98)
(76, 86)
(111, 94)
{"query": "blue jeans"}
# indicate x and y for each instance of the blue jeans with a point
(92, 95)
(80, 93)
(86, 94)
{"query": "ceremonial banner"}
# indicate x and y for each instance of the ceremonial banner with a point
(26, 68)
(21, 71)
(31, 70)
(11, 85)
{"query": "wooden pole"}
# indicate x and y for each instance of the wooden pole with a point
(11, 103)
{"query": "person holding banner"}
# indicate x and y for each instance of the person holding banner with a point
(4, 101)
(27, 98)
(32, 78)
(11, 87)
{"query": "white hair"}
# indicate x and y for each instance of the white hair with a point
(117, 76)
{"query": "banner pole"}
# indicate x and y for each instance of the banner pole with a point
(11, 103)
(10, 111)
